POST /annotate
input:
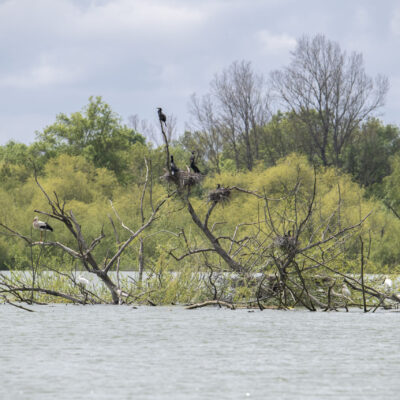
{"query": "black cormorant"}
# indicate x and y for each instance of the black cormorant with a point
(161, 115)
(174, 169)
(192, 164)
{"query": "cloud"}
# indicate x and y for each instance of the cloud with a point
(395, 22)
(141, 54)
(150, 17)
(40, 75)
(275, 43)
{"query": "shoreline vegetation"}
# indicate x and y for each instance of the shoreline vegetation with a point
(297, 209)
(266, 266)
(174, 289)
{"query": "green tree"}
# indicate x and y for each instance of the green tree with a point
(96, 132)
(368, 156)
(16, 163)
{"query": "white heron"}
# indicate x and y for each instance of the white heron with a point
(346, 292)
(82, 281)
(388, 284)
(42, 226)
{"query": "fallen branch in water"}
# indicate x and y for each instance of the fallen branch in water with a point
(16, 305)
(372, 292)
(211, 303)
(15, 290)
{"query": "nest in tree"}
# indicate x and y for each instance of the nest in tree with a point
(183, 179)
(286, 243)
(220, 195)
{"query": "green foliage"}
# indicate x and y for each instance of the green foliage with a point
(368, 156)
(96, 133)
(90, 158)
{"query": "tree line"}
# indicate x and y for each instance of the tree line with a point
(312, 186)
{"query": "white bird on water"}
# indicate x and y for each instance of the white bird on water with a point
(388, 284)
(42, 226)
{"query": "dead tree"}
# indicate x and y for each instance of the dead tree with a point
(288, 259)
(84, 250)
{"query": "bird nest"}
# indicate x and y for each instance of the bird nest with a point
(183, 179)
(220, 195)
(286, 243)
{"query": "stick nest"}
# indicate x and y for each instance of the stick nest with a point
(220, 195)
(286, 243)
(183, 179)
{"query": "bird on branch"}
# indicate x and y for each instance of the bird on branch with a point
(174, 169)
(161, 116)
(42, 226)
(192, 164)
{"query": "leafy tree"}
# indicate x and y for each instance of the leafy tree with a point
(16, 163)
(96, 133)
(368, 156)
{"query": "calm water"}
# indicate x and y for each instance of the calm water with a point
(111, 352)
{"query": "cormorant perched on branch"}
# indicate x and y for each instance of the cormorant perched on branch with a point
(193, 165)
(174, 169)
(161, 116)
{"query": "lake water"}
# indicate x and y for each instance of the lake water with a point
(119, 352)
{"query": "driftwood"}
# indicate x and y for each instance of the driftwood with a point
(211, 303)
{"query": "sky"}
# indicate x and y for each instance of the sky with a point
(143, 54)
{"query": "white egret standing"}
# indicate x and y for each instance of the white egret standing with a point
(345, 291)
(388, 284)
(42, 226)
(346, 294)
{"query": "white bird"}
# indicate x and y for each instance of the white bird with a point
(345, 291)
(42, 226)
(82, 281)
(388, 284)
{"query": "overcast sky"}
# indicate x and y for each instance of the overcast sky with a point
(141, 54)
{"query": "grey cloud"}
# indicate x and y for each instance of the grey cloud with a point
(142, 54)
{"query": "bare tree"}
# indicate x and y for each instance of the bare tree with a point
(330, 92)
(293, 245)
(207, 135)
(233, 112)
(149, 130)
(145, 128)
(243, 107)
